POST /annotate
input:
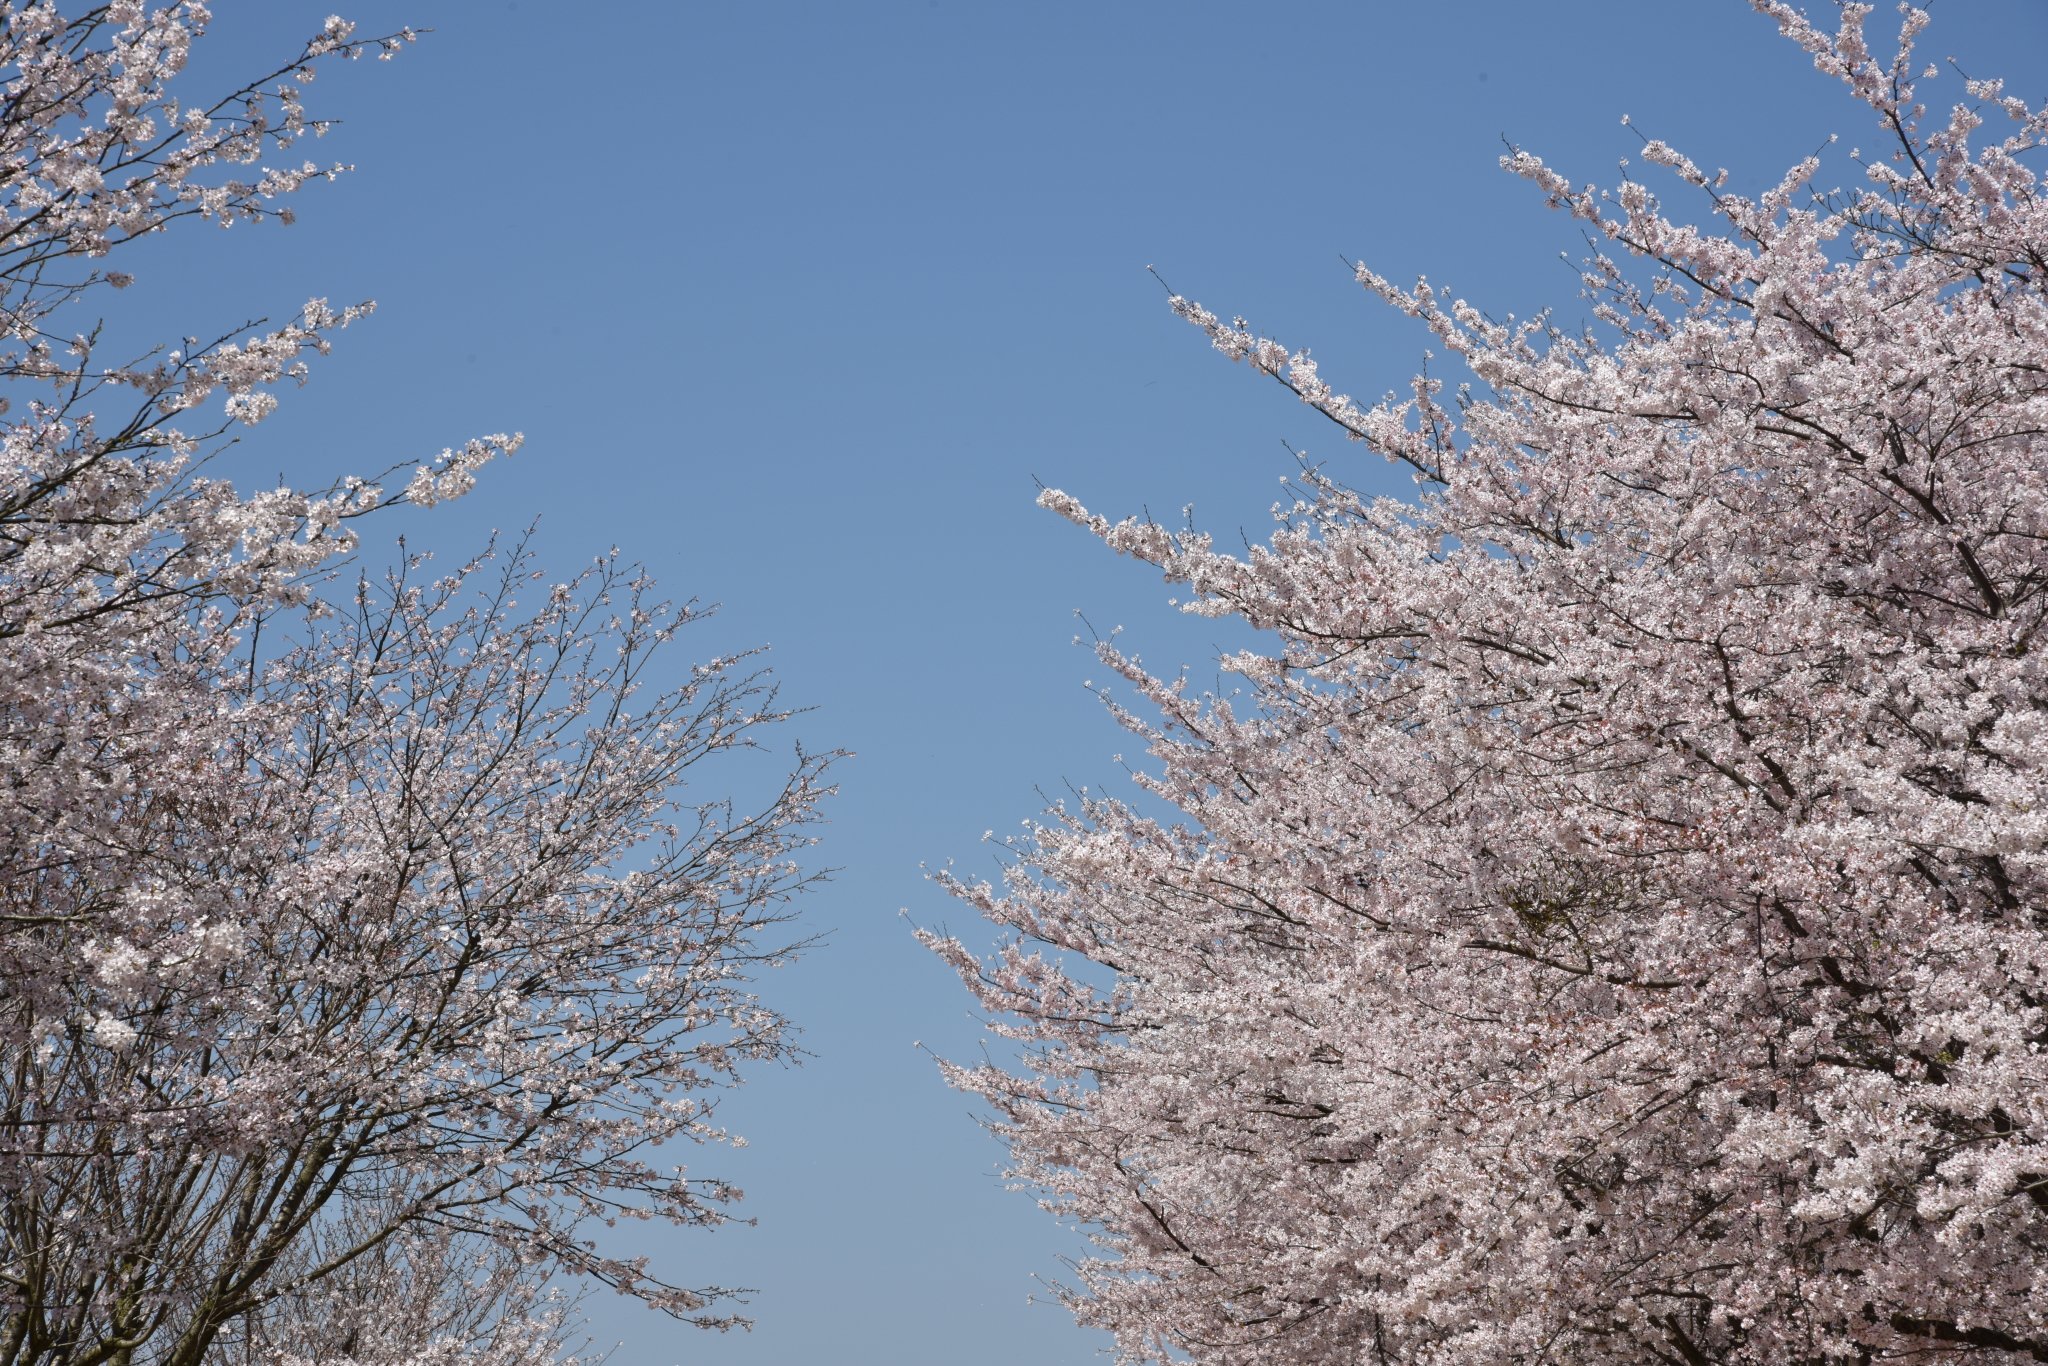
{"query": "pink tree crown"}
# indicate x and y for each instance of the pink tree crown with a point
(1612, 927)
(357, 947)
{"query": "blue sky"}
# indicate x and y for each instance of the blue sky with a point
(795, 301)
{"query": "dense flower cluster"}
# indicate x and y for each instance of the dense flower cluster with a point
(343, 938)
(425, 1297)
(1615, 927)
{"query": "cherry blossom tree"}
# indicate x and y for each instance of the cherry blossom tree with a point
(1610, 924)
(357, 944)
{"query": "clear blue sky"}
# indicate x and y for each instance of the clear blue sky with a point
(793, 301)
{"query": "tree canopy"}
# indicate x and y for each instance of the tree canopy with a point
(358, 940)
(1612, 924)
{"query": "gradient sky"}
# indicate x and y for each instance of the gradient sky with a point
(795, 301)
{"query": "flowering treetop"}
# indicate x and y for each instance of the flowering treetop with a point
(1613, 928)
(344, 937)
